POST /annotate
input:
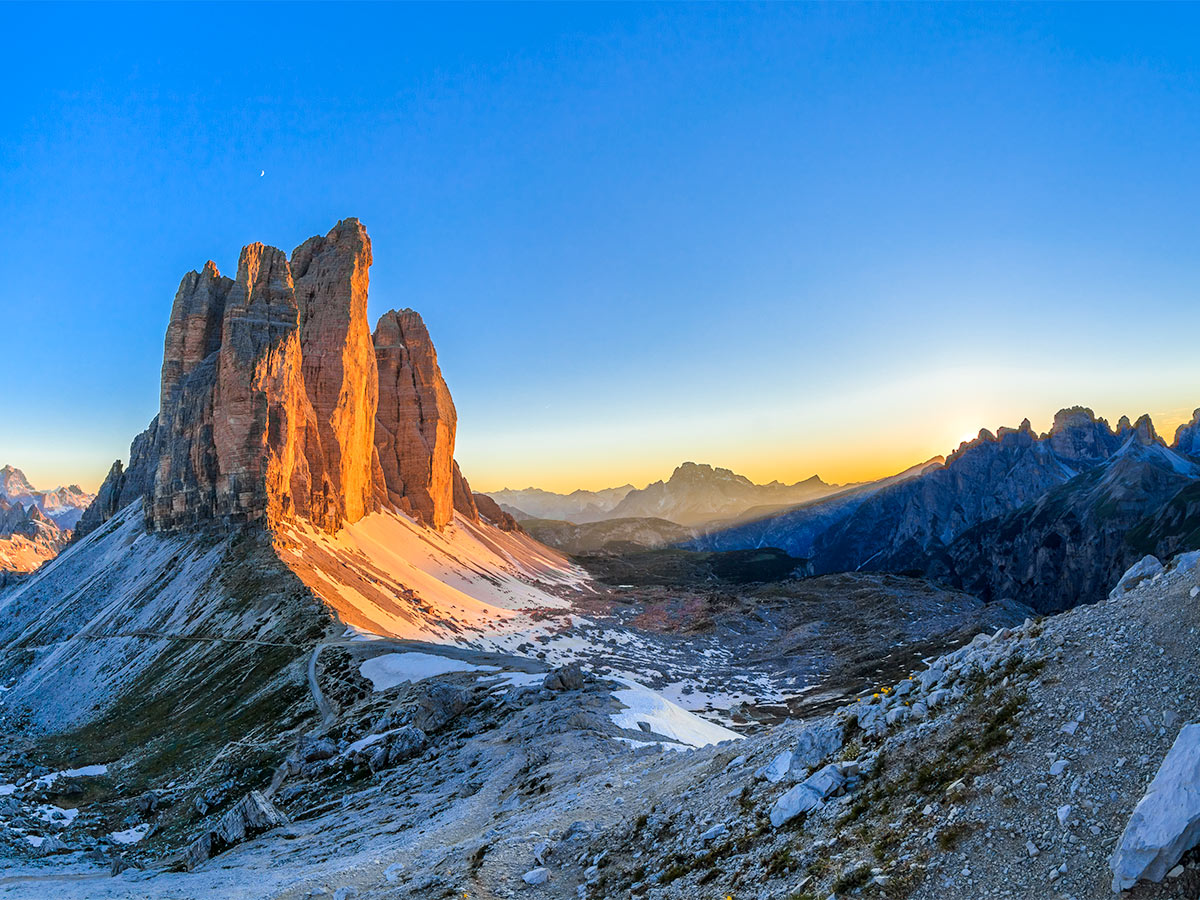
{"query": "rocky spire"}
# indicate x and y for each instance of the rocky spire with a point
(338, 362)
(194, 332)
(277, 402)
(416, 420)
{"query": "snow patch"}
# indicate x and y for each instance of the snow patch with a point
(131, 835)
(392, 669)
(83, 772)
(666, 718)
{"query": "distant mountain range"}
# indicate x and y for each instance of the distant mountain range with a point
(62, 504)
(695, 495)
(1053, 518)
(576, 507)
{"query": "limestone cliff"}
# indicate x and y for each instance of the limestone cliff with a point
(416, 421)
(277, 402)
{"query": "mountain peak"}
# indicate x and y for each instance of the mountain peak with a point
(278, 402)
(13, 482)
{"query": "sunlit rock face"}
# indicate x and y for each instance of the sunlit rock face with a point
(338, 362)
(416, 421)
(278, 402)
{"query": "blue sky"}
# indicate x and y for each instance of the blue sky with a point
(785, 239)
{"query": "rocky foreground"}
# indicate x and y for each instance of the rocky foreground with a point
(1010, 767)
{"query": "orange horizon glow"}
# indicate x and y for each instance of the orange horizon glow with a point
(834, 465)
(852, 455)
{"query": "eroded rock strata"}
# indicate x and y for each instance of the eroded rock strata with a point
(278, 402)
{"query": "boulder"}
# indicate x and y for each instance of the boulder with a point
(536, 876)
(250, 816)
(807, 795)
(816, 742)
(399, 746)
(438, 705)
(1166, 822)
(778, 768)
(564, 678)
(1144, 569)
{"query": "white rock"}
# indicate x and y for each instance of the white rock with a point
(539, 875)
(1058, 767)
(1166, 822)
(1145, 568)
(1064, 813)
(1031, 848)
(1186, 562)
(930, 677)
(777, 769)
(815, 742)
(807, 795)
(715, 832)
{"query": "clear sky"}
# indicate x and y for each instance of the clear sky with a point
(783, 239)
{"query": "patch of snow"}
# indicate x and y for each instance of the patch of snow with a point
(666, 718)
(82, 772)
(391, 669)
(131, 835)
(56, 814)
(516, 679)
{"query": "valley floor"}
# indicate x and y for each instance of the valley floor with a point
(1007, 769)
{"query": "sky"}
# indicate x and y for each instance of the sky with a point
(832, 239)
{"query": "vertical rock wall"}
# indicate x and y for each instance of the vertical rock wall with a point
(277, 402)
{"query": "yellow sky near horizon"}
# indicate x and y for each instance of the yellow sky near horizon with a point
(851, 450)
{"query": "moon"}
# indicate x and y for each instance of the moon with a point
(262, 172)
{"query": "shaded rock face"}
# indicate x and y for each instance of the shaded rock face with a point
(1187, 436)
(490, 511)
(271, 405)
(1051, 520)
(464, 497)
(416, 421)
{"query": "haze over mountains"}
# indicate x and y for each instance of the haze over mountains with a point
(64, 505)
(34, 524)
(695, 494)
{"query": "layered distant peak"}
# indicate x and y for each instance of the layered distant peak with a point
(1187, 436)
(416, 421)
(698, 493)
(62, 505)
(694, 473)
(577, 506)
(1077, 435)
(13, 483)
